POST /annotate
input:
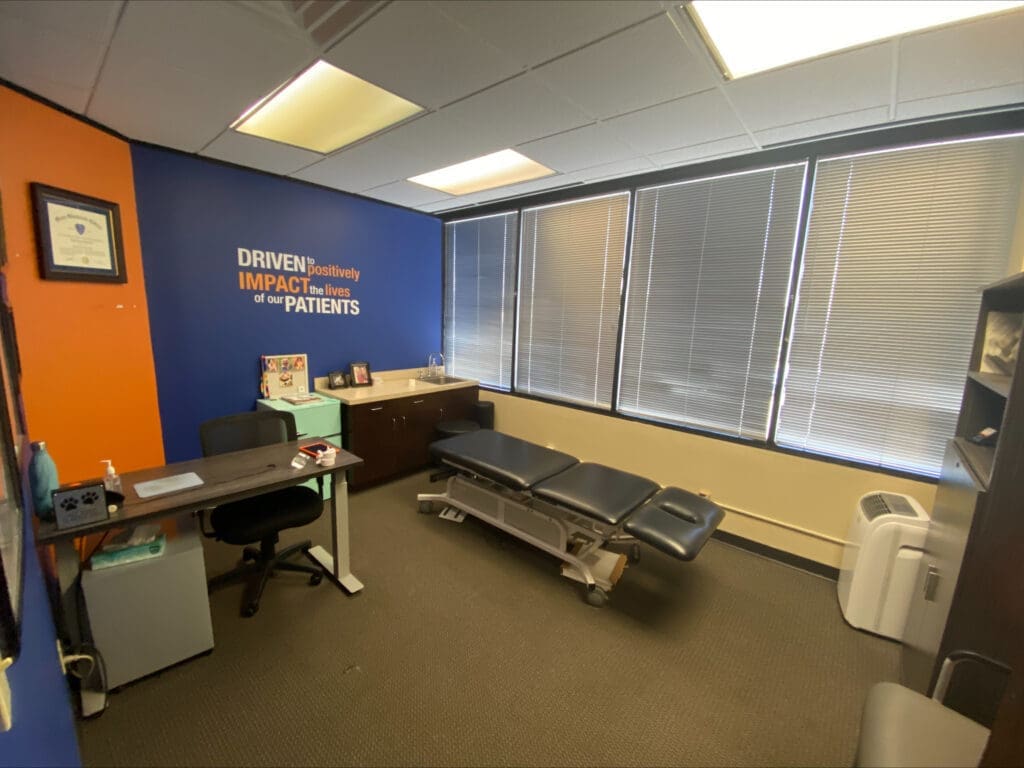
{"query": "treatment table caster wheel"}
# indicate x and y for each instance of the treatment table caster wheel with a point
(634, 554)
(315, 579)
(597, 597)
(425, 508)
(249, 609)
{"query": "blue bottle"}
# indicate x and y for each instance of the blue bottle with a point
(42, 478)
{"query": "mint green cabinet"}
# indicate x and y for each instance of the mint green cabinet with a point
(319, 419)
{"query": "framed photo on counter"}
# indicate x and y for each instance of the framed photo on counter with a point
(359, 373)
(79, 237)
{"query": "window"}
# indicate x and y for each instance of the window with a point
(709, 276)
(899, 243)
(570, 285)
(478, 294)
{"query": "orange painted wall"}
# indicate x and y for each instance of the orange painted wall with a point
(88, 380)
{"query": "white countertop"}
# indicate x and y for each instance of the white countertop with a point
(387, 385)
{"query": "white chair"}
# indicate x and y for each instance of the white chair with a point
(903, 728)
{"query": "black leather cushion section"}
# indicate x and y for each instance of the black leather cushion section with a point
(505, 459)
(677, 522)
(251, 520)
(452, 428)
(600, 492)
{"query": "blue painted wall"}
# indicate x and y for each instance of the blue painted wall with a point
(43, 730)
(211, 318)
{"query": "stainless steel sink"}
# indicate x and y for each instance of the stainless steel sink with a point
(441, 379)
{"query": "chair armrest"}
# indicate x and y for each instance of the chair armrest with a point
(956, 658)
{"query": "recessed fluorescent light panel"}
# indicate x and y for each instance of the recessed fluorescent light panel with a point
(323, 109)
(487, 172)
(751, 36)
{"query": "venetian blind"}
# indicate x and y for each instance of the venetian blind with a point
(709, 275)
(899, 244)
(479, 280)
(569, 294)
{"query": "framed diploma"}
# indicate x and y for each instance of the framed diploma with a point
(79, 236)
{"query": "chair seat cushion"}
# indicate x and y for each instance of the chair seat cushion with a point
(457, 427)
(900, 727)
(252, 520)
(597, 491)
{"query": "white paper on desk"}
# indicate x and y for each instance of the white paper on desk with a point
(168, 485)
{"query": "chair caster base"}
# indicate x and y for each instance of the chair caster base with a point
(596, 597)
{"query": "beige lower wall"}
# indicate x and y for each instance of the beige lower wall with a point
(799, 505)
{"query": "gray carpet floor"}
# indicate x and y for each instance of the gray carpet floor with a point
(467, 648)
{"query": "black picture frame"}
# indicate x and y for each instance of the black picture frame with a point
(79, 236)
(359, 375)
(336, 380)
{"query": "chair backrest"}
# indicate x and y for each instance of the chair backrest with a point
(246, 430)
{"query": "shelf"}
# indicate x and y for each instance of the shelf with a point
(980, 458)
(997, 382)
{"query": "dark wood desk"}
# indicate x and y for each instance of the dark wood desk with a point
(226, 477)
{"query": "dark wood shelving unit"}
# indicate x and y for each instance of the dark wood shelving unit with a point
(966, 598)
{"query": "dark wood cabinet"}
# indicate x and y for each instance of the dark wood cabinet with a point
(392, 436)
(967, 595)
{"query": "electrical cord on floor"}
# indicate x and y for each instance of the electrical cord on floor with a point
(92, 681)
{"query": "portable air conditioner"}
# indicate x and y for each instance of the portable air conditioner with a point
(880, 562)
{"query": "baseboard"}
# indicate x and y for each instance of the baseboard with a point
(803, 563)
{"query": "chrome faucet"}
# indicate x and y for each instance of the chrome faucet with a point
(432, 361)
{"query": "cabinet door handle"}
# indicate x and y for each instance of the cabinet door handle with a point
(394, 424)
(416, 402)
(404, 423)
(378, 408)
(931, 583)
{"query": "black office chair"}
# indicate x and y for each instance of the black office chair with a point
(259, 518)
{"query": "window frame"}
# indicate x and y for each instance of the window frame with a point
(976, 124)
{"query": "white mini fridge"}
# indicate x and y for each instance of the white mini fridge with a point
(150, 614)
(880, 562)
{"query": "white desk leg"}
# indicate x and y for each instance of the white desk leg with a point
(338, 565)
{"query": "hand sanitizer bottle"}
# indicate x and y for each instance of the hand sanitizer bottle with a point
(112, 480)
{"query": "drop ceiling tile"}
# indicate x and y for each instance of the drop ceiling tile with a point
(615, 170)
(710, 150)
(443, 205)
(413, 50)
(975, 56)
(425, 144)
(576, 149)
(690, 120)
(94, 20)
(49, 62)
(254, 152)
(961, 102)
(534, 31)
(151, 102)
(354, 170)
(430, 142)
(517, 111)
(832, 124)
(406, 193)
(225, 42)
(641, 66)
(837, 84)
